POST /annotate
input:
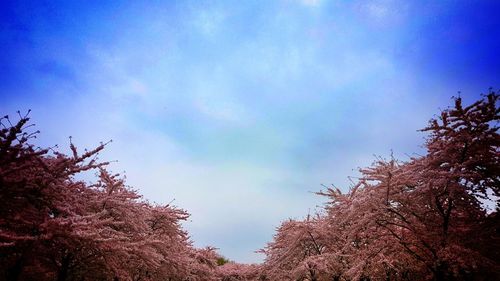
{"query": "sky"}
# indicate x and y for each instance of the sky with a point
(239, 111)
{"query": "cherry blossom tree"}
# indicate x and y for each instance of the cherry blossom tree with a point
(421, 218)
(203, 264)
(54, 227)
(232, 271)
(36, 193)
(292, 253)
(416, 220)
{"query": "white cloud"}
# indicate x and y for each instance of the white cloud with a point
(209, 21)
(383, 12)
(311, 3)
(222, 110)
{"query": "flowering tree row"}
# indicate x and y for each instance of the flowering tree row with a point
(421, 219)
(55, 227)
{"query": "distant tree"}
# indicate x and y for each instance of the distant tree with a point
(232, 271)
(222, 261)
(292, 255)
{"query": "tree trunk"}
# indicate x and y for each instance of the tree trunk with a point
(441, 272)
(14, 271)
(313, 275)
(63, 271)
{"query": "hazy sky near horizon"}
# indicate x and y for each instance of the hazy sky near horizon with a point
(240, 110)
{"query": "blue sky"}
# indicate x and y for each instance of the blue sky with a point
(240, 110)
